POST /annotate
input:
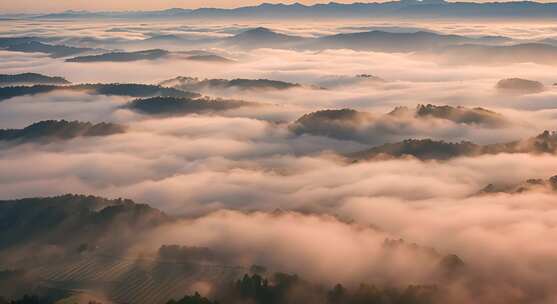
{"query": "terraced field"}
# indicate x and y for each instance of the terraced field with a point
(137, 281)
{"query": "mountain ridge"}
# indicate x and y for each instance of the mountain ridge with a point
(406, 8)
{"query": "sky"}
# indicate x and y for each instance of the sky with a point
(9, 6)
(60, 5)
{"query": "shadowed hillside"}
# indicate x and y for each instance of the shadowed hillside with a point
(534, 184)
(52, 130)
(30, 78)
(118, 89)
(153, 54)
(34, 45)
(262, 37)
(546, 142)
(197, 85)
(71, 220)
(519, 86)
(183, 106)
(122, 56)
(365, 127)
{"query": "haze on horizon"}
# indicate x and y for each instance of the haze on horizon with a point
(31, 6)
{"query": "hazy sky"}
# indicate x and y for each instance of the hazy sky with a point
(61, 5)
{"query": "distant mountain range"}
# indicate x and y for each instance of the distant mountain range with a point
(404, 8)
(36, 45)
(456, 49)
(443, 48)
(152, 54)
(122, 56)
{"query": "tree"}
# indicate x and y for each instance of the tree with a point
(194, 299)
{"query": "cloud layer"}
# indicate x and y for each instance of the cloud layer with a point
(255, 180)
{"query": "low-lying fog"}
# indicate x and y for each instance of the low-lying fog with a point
(228, 171)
